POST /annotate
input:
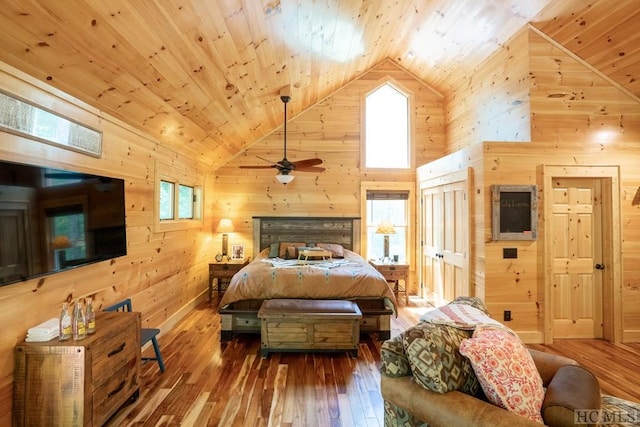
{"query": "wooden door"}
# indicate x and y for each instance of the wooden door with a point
(577, 258)
(432, 233)
(445, 240)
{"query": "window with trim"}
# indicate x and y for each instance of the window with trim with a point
(183, 202)
(392, 206)
(387, 129)
(178, 203)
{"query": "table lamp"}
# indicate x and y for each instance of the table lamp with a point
(225, 226)
(386, 228)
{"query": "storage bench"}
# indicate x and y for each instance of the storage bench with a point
(309, 325)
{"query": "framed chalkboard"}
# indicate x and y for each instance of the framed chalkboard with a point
(514, 212)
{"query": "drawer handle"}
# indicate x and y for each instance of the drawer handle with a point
(117, 350)
(117, 390)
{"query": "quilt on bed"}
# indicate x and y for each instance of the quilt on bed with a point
(350, 277)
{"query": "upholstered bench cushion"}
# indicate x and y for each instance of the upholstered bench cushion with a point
(572, 388)
(309, 306)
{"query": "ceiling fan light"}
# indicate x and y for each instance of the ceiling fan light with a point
(284, 179)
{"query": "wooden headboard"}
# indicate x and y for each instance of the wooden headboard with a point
(341, 230)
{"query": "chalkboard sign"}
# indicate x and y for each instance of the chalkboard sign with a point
(514, 212)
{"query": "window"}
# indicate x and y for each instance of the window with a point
(167, 190)
(185, 201)
(387, 129)
(179, 204)
(389, 206)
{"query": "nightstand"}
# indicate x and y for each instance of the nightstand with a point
(394, 272)
(223, 272)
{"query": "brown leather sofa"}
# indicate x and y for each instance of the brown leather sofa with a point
(407, 402)
(456, 408)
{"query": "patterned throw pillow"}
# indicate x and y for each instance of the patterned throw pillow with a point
(506, 371)
(394, 362)
(435, 361)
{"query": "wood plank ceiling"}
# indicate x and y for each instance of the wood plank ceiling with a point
(204, 75)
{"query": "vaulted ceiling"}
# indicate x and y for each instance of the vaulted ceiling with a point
(203, 76)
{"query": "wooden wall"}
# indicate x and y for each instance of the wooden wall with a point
(330, 130)
(493, 104)
(592, 123)
(165, 274)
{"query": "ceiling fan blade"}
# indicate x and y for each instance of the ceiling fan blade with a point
(309, 169)
(258, 166)
(307, 162)
(268, 161)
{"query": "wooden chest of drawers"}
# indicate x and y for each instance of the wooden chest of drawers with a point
(78, 383)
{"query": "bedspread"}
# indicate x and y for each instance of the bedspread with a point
(351, 277)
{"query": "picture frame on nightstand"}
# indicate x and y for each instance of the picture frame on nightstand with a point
(237, 252)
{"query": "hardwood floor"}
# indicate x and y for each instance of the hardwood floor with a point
(206, 384)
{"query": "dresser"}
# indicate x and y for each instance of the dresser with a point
(78, 383)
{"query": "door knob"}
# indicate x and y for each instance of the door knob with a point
(599, 267)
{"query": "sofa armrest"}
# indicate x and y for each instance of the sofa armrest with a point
(548, 364)
(447, 409)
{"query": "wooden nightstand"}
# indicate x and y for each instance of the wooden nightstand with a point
(395, 272)
(223, 272)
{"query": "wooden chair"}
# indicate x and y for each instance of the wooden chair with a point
(146, 334)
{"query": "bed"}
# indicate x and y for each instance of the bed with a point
(349, 277)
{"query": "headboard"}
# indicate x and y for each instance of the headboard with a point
(270, 229)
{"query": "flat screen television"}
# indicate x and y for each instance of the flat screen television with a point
(52, 220)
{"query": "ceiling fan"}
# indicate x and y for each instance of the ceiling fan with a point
(285, 166)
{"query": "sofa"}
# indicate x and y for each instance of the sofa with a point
(426, 381)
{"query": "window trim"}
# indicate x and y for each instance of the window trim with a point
(410, 133)
(382, 186)
(165, 173)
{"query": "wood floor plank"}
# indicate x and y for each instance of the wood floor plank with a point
(206, 383)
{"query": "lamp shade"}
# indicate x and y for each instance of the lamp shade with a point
(385, 227)
(225, 226)
(284, 179)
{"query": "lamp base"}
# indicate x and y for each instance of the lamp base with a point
(386, 246)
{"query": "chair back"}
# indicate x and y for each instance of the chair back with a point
(124, 305)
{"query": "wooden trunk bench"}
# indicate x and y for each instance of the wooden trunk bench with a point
(309, 325)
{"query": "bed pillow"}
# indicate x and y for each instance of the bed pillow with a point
(274, 250)
(282, 252)
(506, 371)
(337, 251)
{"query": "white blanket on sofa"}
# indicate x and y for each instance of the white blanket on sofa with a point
(461, 316)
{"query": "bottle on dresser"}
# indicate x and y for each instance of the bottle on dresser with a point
(79, 322)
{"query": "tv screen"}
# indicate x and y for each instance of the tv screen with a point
(52, 220)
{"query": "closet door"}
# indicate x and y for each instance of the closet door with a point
(445, 237)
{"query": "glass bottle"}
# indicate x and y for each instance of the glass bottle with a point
(90, 316)
(65, 323)
(79, 323)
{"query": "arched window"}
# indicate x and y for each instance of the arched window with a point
(387, 129)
